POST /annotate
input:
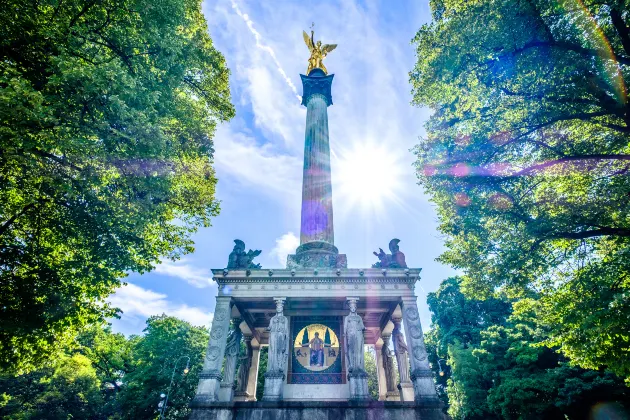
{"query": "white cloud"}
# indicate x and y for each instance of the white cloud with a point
(262, 167)
(137, 304)
(192, 275)
(285, 245)
(265, 48)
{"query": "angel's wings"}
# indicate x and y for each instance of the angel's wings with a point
(326, 48)
(308, 41)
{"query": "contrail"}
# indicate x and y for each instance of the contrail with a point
(264, 47)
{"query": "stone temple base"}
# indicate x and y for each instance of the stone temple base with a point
(319, 410)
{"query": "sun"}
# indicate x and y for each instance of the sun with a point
(367, 175)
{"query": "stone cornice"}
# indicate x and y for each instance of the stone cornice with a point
(349, 275)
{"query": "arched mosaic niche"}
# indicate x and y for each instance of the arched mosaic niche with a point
(317, 348)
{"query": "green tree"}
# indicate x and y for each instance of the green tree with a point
(262, 369)
(457, 324)
(71, 389)
(499, 368)
(370, 369)
(167, 341)
(107, 111)
(527, 157)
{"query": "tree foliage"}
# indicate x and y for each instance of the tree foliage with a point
(107, 110)
(107, 376)
(527, 157)
(505, 371)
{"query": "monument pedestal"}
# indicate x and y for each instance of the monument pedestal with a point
(274, 382)
(226, 392)
(319, 410)
(406, 391)
(243, 396)
(358, 386)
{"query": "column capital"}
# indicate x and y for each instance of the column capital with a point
(317, 85)
(280, 304)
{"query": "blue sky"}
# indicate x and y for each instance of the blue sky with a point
(259, 153)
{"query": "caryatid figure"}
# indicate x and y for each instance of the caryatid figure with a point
(278, 354)
(278, 341)
(353, 329)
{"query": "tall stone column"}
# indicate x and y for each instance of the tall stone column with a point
(210, 376)
(232, 349)
(392, 393)
(380, 371)
(421, 375)
(252, 380)
(317, 234)
(278, 353)
(353, 330)
(400, 348)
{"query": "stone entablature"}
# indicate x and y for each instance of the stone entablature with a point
(344, 275)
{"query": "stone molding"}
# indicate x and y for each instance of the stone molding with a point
(223, 276)
(421, 373)
(211, 375)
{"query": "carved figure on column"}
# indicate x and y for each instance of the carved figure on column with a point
(388, 364)
(278, 354)
(400, 348)
(353, 330)
(231, 353)
(278, 341)
(242, 376)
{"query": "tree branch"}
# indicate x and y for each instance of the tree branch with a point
(566, 159)
(605, 231)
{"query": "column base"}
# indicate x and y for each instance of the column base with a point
(423, 386)
(392, 396)
(243, 396)
(226, 392)
(208, 388)
(406, 391)
(274, 383)
(357, 381)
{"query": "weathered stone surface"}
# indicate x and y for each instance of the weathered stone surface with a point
(325, 410)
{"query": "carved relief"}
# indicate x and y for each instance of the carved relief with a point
(221, 314)
(419, 353)
(213, 353)
(415, 332)
(217, 333)
(412, 313)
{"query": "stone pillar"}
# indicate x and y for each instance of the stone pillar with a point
(210, 376)
(380, 373)
(354, 342)
(317, 211)
(242, 376)
(278, 353)
(392, 393)
(421, 375)
(400, 348)
(252, 380)
(232, 350)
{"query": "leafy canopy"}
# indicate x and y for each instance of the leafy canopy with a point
(107, 376)
(499, 369)
(107, 111)
(527, 157)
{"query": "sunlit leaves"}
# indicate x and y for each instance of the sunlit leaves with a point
(107, 112)
(527, 158)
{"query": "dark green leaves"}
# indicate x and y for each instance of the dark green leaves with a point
(527, 157)
(107, 111)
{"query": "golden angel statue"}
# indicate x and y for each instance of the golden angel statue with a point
(318, 52)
